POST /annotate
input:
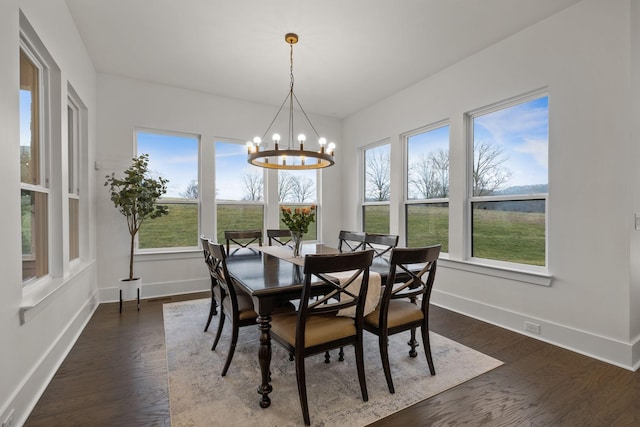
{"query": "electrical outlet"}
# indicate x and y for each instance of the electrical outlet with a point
(637, 221)
(8, 421)
(532, 327)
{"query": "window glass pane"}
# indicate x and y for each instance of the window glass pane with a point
(511, 231)
(428, 224)
(72, 138)
(376, 219)
(377, 173)
(29, 121)
(236, 179)
(173, 157)
(297, 186)
(428, 163)
(178, 229)
(313, 227)
(510, 150)
(74, 228)
(34, 234)
(239, 216)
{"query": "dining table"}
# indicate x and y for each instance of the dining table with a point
(273, 277)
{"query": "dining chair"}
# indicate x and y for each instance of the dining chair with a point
(234, 304)
(320, 324)
(399, 310)
(380, 243)
(215, 293)
(281, 236)
(242, 238)
(350, 241)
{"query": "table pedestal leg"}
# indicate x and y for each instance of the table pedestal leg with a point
(264, 359)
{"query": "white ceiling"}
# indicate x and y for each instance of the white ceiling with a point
(351, 53)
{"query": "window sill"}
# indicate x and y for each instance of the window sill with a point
(37, 293)
(167, 254)
(540, 278)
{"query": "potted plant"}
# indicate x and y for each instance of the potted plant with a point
(135, 196)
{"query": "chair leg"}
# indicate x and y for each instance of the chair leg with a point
(302, 389)
(327, 357)
(360, 365)
(383, 341)
(213, 310)
(413, 343)
(232, 348)
(341, 354)
(219, 333)
(427, 348)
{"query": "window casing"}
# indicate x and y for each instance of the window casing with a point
(376, 188)
(173, 156)
(427, 187)
(509, 181)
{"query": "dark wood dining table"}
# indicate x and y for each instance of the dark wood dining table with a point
(272, 281)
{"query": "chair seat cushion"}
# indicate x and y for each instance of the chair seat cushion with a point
(320, 328)
(245, 306)
(400, 312)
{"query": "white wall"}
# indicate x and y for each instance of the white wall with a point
(126, 104)
(582, 55)
(31, 352)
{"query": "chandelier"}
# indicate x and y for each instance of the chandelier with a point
(291, 157)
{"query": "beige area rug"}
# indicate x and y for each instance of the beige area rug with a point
(199, 396)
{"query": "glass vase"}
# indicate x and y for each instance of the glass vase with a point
(296, 239)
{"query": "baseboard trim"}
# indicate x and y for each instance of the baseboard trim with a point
(158, 289)
(614, 352)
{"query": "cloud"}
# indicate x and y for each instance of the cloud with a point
(537, 149)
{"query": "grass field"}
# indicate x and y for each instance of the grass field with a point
(501, 235)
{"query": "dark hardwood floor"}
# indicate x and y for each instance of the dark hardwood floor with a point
(116, 375)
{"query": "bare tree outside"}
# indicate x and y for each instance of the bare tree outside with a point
(303, 189)
(377, 176)
(192, 190)
(489, 172)
(253, 184)
(429, 176)
(285, 186)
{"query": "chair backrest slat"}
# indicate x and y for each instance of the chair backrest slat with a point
(350, 241)
(381, 243)
(242, 238)
(279, 235)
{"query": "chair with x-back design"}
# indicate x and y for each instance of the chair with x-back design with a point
(380, 243)
(404, 304)
(350, 241)
(281, 236)
(321, 324)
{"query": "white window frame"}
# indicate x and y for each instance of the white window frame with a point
(471, 199)
(363, 184)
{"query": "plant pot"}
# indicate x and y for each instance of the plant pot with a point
(130, 290)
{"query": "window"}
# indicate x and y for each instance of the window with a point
(377, 189)
(509, 181)
(73, 182)
(172, 156)
(297, 188)
(427, 184)
(239, 190)
(34, 189)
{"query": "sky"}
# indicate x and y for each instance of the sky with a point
(171, 156)
(523, 133)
